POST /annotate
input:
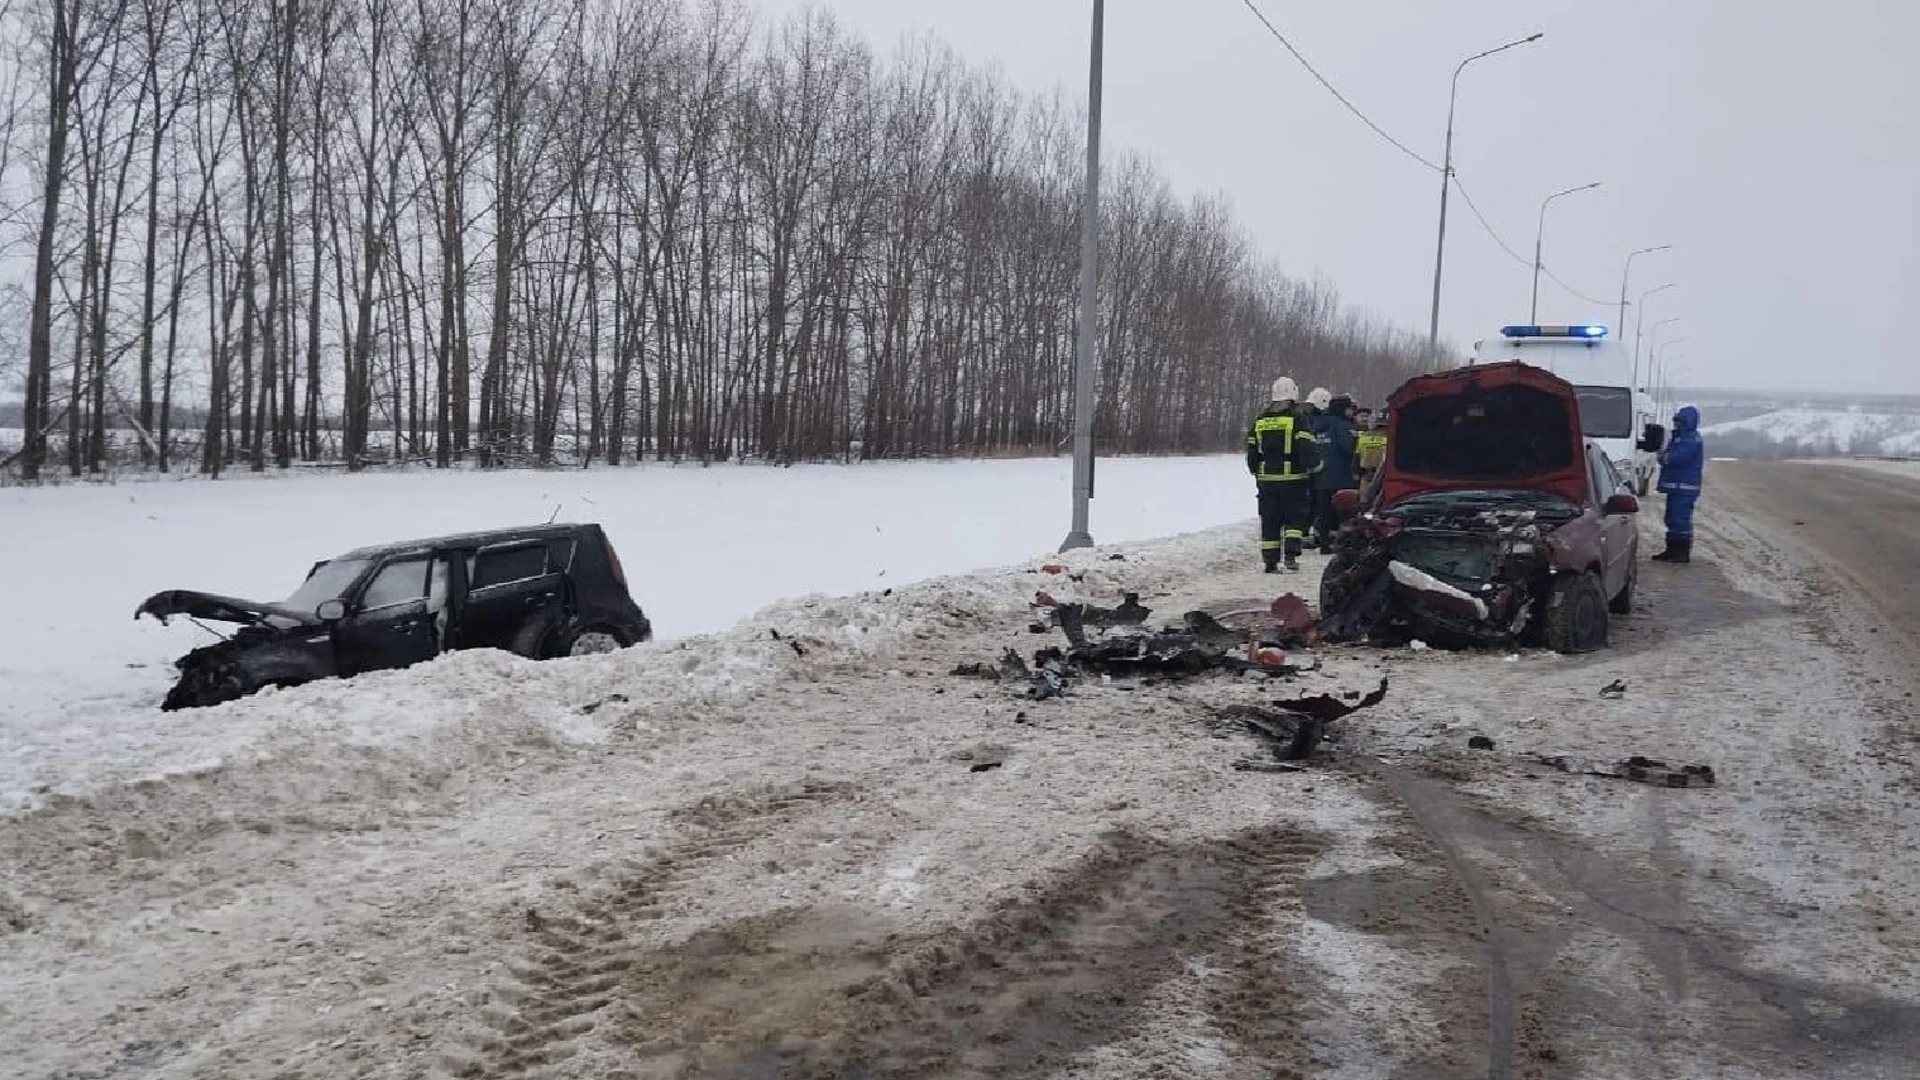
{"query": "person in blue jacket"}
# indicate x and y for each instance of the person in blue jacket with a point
(1337, 441)
(1682, 464)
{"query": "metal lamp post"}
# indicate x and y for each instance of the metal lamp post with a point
(1081, 536)
(1446, 181)
(1640, 323)
(1539, 237)
(1621, 325)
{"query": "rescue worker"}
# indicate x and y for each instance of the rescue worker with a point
(1317, 402)
(1336, 441)
(1682, 465)
(1370, 445)
(1282, 457)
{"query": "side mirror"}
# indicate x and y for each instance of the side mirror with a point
(1346, 502)
(1622, 503)
(331, 610)
(1653, 439)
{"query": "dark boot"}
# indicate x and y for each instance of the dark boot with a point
(1270, 561)
(1673, 547)
(1683, 552)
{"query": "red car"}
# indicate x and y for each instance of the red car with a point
(1492, 520)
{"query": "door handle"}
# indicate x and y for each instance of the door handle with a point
(406, 627)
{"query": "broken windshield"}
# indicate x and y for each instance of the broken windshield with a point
(329, 581)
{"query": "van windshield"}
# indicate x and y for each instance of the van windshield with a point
(1606, 412)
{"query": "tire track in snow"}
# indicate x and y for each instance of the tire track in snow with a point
(562, 989)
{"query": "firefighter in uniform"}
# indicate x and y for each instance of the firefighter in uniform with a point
(1282, 457)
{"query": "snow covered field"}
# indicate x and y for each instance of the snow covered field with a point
(1832, 431)
(703, 548)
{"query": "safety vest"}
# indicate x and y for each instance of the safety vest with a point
(1370, 449)
(1285, 445)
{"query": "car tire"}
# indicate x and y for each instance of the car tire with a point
(1577, 614)
(1622, 602)
(585, 639)
(1335, 569)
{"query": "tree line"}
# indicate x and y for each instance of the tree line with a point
(561, 231)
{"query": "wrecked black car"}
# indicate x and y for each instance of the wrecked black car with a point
(541, 592)
(1492, 521)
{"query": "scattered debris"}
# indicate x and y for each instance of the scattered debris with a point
(982, 758)
(1641, 770)
(592, 707)
(1295, 727)
(1614, 690)
(1418, 646)
(1116, 557)
(1479, 742)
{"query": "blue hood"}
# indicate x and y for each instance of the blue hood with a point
(1687, 418)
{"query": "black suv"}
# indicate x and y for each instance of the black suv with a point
(541, 592)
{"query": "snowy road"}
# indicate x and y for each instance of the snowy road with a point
(1860, 523)
(760, 856)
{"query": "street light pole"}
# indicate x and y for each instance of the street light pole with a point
(1081, 535)
(1539, 237)
(1621, 325)
(1446, 181)
(1640, 324)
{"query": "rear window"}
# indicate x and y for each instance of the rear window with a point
(1506, 433)
(1606, 412)
(504, 566)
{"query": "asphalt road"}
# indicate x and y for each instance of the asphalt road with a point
(1863, 526)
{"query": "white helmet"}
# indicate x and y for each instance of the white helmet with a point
(1320, 398)
(1284, 389)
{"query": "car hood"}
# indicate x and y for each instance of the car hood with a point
(211, 608)
(1490, 427)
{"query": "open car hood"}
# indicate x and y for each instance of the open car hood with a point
(199, 605)
(1490, 427)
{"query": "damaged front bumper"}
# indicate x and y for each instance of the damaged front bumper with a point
(1471, 583)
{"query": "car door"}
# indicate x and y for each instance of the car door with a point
(509, 586)
(389, 625)
(1617, 531)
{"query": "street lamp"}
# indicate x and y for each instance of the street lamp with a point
(1081, 536)
(1640, 323)
(1631, 255)
(1446, 180)
(1539, 236)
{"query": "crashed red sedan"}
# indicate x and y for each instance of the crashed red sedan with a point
(1491, 522)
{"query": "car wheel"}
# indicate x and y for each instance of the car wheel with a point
(1622, 603)
(586, 640)
(1577, 614)
(1331, 596)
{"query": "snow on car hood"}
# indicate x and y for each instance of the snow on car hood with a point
(1491, 427)
(211, 608)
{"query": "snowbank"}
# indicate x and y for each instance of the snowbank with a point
(704, 548)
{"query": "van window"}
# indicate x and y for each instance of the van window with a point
(504, 566)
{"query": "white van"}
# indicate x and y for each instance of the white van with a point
(1618, 416)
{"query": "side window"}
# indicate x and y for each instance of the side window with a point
(1606, 480)
(398, 582)
(560, 554)
(503, 566)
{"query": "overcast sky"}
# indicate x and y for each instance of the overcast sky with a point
(1774, 143)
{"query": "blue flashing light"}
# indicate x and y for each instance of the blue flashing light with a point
(1589, 332)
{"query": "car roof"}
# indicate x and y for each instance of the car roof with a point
(468, 540)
